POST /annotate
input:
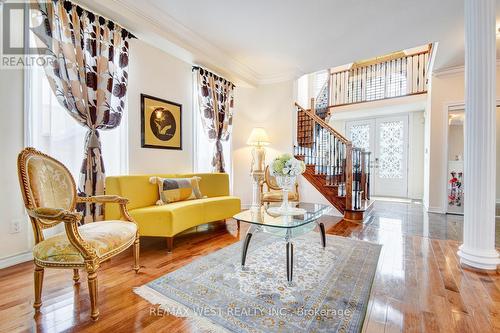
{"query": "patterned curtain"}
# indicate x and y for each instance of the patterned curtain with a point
(87, 71)
(215, 102)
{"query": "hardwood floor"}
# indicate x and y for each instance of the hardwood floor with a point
(419, 284)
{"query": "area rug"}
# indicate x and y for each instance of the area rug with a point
(329, 293)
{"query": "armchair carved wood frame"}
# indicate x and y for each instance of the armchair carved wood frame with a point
(273, 193)
(38, 173)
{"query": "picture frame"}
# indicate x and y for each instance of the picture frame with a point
(161, 123)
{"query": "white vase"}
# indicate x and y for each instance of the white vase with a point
(286, 184)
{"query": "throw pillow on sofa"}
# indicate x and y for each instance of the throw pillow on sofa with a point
(177, 189)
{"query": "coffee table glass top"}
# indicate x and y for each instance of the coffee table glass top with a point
(263, 218)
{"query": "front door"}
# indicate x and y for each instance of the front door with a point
(387, 139)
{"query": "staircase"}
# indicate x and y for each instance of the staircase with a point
(339, 171)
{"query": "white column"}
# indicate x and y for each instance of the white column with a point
(478, 248)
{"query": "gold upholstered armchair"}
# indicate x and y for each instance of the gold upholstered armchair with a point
(273, 192)
(50, 197)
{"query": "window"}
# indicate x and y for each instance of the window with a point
(320, 79)
(50, 129)
(386, 80)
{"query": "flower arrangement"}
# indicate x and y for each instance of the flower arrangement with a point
(285, 168)
(287, 165)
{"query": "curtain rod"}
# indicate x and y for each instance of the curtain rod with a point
(195, 68)
(131, 35)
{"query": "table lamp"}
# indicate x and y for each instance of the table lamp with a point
(258, 139)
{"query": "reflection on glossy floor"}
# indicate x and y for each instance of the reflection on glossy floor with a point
(419, 285)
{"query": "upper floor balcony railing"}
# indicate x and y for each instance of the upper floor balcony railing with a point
(394, 76)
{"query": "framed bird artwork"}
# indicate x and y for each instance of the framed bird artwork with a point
(161, 123)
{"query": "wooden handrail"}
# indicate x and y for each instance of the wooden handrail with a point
(323, 124)
(376, 100)
(383, 60)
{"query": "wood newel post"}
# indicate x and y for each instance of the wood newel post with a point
(313, 123)
(348, 176)
(363, 175)
(330, 86)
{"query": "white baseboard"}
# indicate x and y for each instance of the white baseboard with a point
(15, 259)
(435, 210)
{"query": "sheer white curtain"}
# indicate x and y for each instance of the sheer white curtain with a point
(50, 129)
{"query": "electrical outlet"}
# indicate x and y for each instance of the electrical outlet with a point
(15, 226)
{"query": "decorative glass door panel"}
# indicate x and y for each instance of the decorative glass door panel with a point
(391, 149)
(387, 139)
(391, 157)
(362, 135)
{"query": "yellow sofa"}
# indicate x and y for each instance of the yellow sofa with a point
(171, 219)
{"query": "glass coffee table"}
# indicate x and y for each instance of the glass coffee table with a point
(282, 226)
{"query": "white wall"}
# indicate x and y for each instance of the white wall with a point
(446, 89)
(12, 139)
(498, 154)
(154, 72)
(416, 155)
(268, 106)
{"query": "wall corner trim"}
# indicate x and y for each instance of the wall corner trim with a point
(453, 70)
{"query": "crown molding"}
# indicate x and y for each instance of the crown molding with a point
(449, 71)
(280, 77)
(166, 33)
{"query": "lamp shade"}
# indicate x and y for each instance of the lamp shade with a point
(258, 137)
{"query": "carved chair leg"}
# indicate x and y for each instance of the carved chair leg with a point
(92, 281)
(170, 244)
(38, 287)
(136, 254)
(76, 275)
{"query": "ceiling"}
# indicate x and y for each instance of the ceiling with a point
(264, 41)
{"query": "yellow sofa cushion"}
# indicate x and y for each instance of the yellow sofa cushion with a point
(104, 237)
(159, 220)
(173, 218)
(219, 208)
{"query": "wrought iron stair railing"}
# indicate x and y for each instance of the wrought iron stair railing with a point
(338, 170)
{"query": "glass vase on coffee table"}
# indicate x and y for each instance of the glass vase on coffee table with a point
(286, 184)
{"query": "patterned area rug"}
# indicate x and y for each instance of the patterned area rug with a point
(330, 291)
